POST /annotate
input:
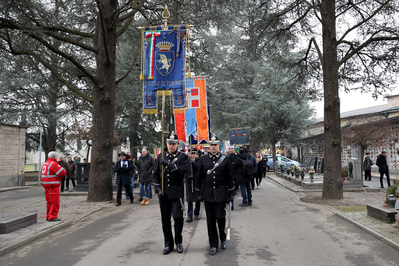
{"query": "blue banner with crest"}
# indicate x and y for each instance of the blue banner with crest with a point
(164, 60)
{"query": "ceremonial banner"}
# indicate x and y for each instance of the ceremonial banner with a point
(193, 126)
(163, 66)
(239, 136)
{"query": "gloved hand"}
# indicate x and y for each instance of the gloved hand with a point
(164, 162)
(199, 198)
(157, 188)
(231, 199)
(190, 177)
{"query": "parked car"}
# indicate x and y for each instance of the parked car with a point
(280, 159)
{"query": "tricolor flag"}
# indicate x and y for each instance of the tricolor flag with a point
(193, 126)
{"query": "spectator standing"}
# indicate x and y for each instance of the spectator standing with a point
(145, 167)
(260, 168)
(76, 159)
(171, 195)
(265, 164)
(71, 173)
(131, 174)
(243, 179)
(367, 163)
(383, 168)
(52, 173)
(65, 166)
(122, 169)
(192, 167)
(253, 160)
(215, 186)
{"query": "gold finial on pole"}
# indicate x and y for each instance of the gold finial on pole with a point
(165, 16)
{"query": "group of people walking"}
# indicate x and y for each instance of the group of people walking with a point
(211, 178)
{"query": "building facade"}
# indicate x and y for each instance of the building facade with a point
(12, 155)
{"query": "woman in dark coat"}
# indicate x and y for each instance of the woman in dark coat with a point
(190, 190)
(259, 171)
(122, 169)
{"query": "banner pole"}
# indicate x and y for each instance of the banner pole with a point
(163, 137)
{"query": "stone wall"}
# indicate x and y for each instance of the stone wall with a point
(12, 155)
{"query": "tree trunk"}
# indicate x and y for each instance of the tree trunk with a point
(274, 157)
(100, 179)
(332, 185)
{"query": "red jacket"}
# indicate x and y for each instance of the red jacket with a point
(52, 173)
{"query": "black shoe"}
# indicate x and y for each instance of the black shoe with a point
(54, 220)
(213, 251)
(117, 204)
(131, 201)
(250, 204)
(243, 205)
(189, 219)
(382, 186)
(167, 250)
(196, 217)
(140, 199)
(224, 244)
(179, 248)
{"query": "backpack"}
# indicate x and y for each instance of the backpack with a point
(247, 167)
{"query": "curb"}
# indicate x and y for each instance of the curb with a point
(34, 237)
(370, 231)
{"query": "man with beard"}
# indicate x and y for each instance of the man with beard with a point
(170, 189)
(215, 186)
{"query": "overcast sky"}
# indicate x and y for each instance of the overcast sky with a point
(353, 101)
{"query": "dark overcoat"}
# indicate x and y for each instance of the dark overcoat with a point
(216, 185)
(190, 191)
(145, 166)
(174, 176)
(382, 164)
(241, 177)
(122, 172)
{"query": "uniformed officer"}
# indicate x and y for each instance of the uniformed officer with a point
(171, 200)
(215, 186)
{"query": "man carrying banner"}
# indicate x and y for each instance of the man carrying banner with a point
(171, 195)
(215, 186)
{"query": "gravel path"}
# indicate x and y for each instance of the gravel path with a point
(361, 198)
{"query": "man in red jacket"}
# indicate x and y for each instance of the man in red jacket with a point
(52, 173)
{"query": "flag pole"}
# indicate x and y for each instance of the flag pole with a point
(163, 137)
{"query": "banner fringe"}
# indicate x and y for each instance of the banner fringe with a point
(179, 111)
(150, 111)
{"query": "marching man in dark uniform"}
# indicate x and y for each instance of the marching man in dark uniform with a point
(190, 191)
(171, 200)
(215, 186)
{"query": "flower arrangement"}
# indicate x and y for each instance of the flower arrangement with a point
(302, 169)
(311, 172)
(292, 167)
(281, 165)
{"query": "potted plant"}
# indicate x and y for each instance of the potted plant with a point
(391, 190)
(311, 174)
(302, 172)
(281, 165)
(344, 173)
(296, 171)
(292, 168)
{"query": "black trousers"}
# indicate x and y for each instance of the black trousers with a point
(215, 219)
(67, 182)
(171, 208)
(62, 184)
(252, 182)
(119, 192)
(367, 175)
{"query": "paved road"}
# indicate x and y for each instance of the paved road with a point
(277, 230)
(17, 197)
